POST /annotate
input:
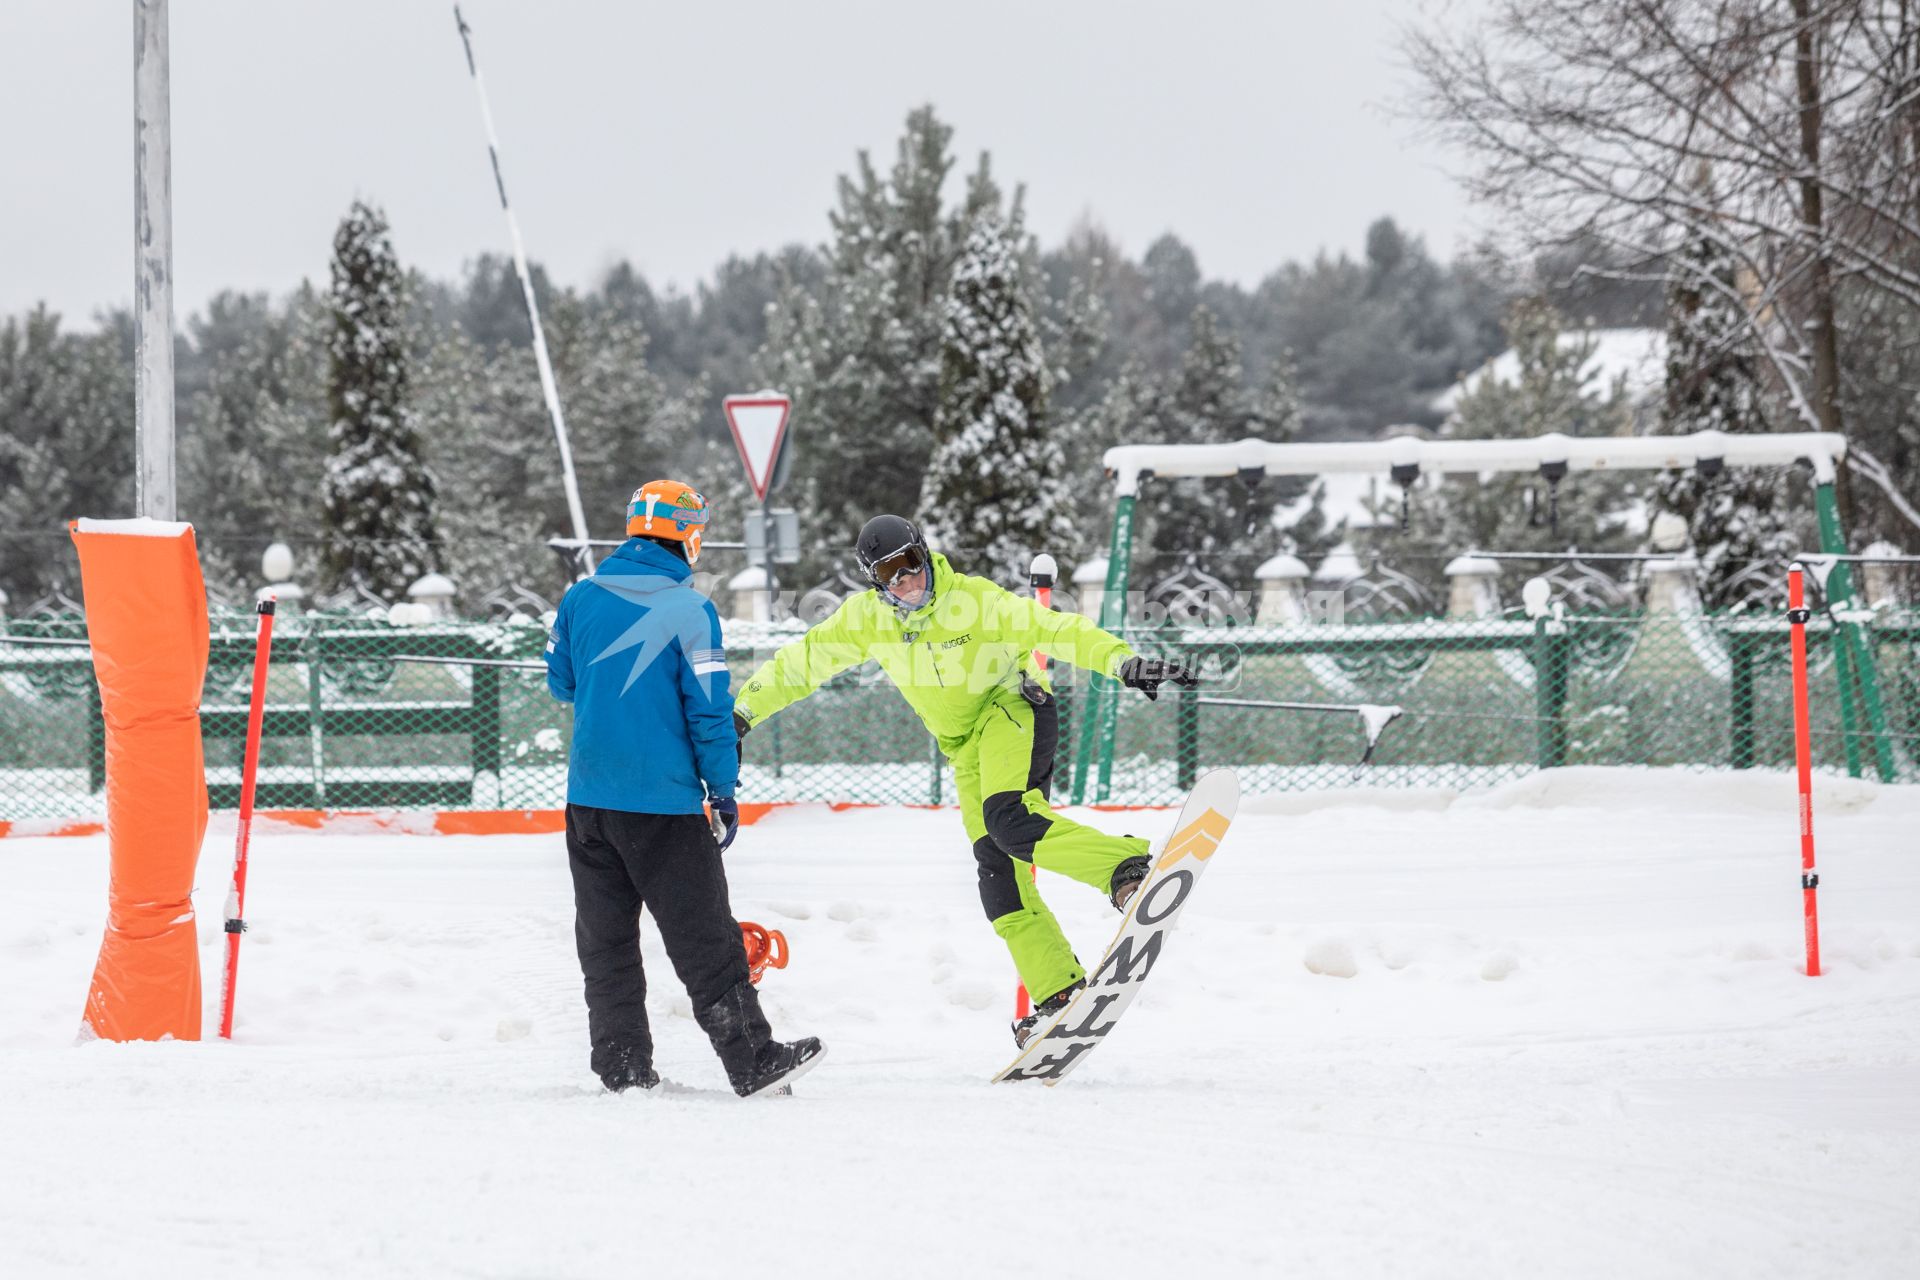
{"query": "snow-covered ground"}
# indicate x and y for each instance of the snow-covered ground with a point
(1559, 1028)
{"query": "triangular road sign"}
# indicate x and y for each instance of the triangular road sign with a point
(759, 426)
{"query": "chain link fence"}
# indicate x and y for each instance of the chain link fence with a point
(353, 722)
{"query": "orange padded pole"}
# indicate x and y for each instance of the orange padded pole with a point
(147, 625)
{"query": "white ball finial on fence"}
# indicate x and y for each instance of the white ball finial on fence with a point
(1669, 532)
(1537, 596)
(277, 564)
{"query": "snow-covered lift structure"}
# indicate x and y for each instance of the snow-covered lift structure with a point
(1553, 456)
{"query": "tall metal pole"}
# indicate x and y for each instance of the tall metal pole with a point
(548, 387)
(154, 493)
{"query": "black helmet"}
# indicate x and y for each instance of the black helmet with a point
(887, 547)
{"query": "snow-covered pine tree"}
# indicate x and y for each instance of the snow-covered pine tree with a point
(379, 496)
(65, 420)
(484, 433)
(613, 404)
(860, 352)
(1223, 525)
(1586, 511)
(1277, 417)
(255, 431)
(1738, 515)
(1129, 403)
(996, 488)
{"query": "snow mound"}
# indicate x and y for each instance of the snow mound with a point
(1647, 790)
(1330, 957)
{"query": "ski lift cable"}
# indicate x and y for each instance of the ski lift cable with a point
(549, 389)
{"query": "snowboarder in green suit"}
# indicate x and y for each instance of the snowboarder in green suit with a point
(960, 650)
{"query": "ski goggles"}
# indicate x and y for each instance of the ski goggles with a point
(904, 563)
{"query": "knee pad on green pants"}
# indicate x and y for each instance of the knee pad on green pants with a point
(1025, 825)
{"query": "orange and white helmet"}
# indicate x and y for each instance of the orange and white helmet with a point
(670, 510)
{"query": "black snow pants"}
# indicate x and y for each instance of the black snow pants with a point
(671, 864)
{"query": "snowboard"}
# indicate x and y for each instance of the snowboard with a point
(1065, 1041)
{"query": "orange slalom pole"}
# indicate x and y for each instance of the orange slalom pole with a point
(237, 891)
(1041, 575)
(1797, 615)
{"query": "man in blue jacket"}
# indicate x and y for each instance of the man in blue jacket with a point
(637, 651)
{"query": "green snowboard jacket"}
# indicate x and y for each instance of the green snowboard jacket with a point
(950, 658)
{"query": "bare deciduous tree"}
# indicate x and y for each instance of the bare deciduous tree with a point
(1785, 131)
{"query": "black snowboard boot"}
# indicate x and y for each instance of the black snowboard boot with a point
(629, 1070)
(1126, 881)
(740, 1035)
(779, 1062)
(1023, 1028)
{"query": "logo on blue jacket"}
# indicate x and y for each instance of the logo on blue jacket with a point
(671, 610)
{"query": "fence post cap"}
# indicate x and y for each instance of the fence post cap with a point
(1094, 570)
(1462, 565)
(1281, 568)
(432, 586)
(1341, 565)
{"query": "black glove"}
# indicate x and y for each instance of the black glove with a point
(1148, 674)
(741, 727)
(724, 816)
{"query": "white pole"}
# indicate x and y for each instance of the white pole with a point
(154, 493)
(548, 388)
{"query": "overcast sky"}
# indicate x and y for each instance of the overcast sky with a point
(673, 135)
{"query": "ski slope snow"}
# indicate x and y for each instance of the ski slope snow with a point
(1558, 1028)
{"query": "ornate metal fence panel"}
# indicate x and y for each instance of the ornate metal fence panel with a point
(349, 726)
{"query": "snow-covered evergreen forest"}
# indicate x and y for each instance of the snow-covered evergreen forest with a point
(891, 336)
(946, 362)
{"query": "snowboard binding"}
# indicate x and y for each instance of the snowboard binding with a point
(766, 949)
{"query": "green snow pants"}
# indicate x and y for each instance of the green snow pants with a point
(1003, 771)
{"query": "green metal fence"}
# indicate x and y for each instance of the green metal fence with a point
(349, 727)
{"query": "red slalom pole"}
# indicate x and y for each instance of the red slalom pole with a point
(1797, 615)
(1041, 575)
(237, 891)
